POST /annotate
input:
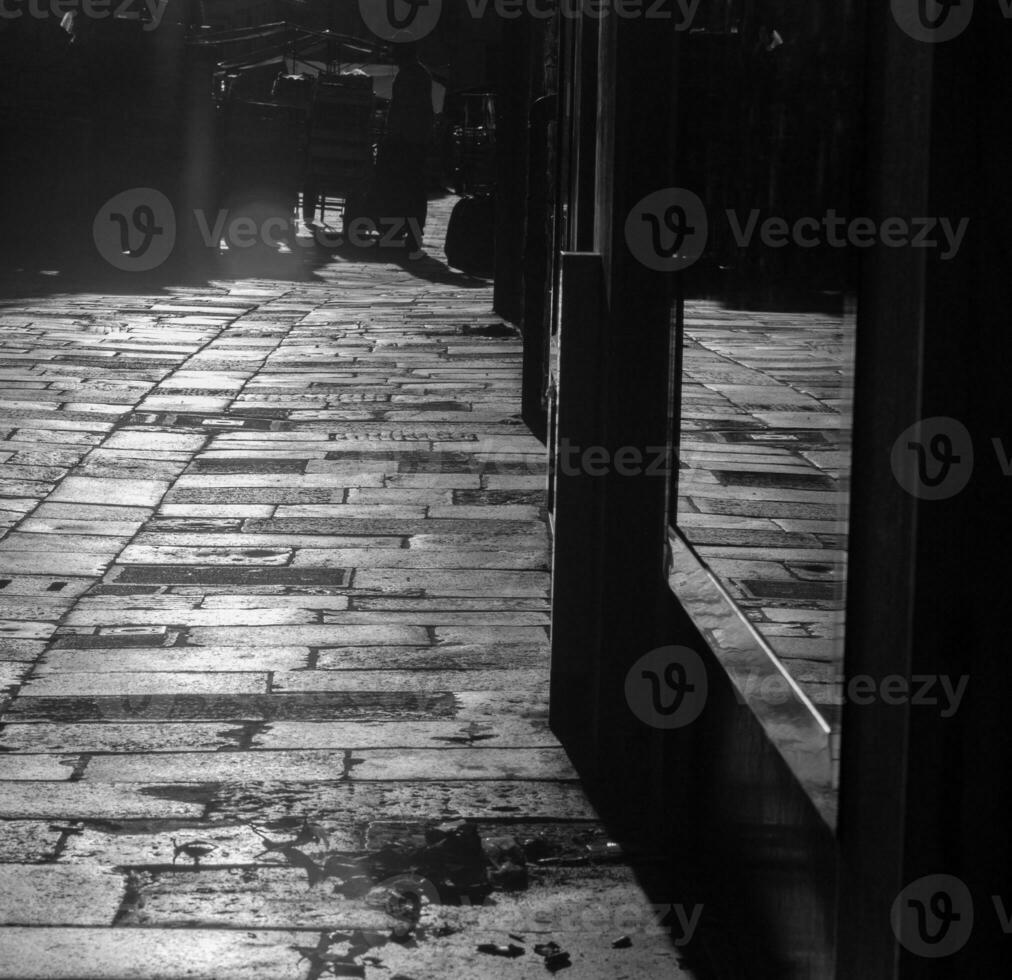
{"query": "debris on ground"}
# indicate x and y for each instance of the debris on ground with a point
(623, 942)
(337, 964)
(71, 827)
(493, 949)
(608, 851)
(315, 873)
(449, 863)
(543, 851)
(454, 860)
(556, 958)
(193, 849)
(349, 959)
(470, 734)
(557, 961)
(308, 833)
(508, 863)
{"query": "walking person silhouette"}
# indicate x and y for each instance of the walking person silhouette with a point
(401, 161)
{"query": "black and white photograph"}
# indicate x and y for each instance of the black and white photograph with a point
(504, 489)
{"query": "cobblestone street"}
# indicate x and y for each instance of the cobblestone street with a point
(274, 604)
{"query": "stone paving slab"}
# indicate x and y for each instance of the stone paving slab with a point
(431, 582)
(182, 540)
(119, 737)
(512, 732)
(150, 846)
(142, 683)
(38, 767)
(99, 802)
(159, 954)
(20, 651)
(432, 801)
(223, 573)
(23, 841)
(43, 563)
(330, 765)
(41, 894)
(312, 635)
(104, 491)
(180, 706)
(22, 629)
(90, 513)
(172, 659)
(411, 680)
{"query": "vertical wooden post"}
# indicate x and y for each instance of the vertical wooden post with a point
(921, 781)
(615, 334)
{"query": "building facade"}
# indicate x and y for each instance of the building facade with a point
(819, 543)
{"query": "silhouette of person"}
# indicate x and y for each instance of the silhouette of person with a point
(401, 162)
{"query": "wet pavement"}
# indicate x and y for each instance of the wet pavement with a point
(273, 620)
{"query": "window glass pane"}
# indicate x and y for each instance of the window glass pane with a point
(770, 141)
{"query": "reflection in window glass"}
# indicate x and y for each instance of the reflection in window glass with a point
(770, 139)
(762, 482)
